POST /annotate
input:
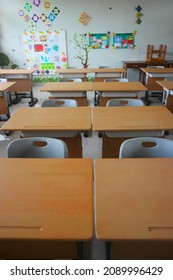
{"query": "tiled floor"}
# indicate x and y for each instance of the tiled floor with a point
(91, 149)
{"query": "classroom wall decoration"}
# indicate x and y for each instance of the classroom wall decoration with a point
(28, 13)
(45, 50)
(84, 18)
(123, 40)
(99, 41)
(138, 14)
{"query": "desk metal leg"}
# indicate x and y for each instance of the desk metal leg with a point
(108, 250)
(33, 101)
(146, 100)
(79, 245)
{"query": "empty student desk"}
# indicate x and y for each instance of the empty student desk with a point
(151, 75)
(71, 88)
(168, 91)
(119, 87)
(133, 207)
(45, 207)
(100, 73)
(23, 83)
(127, 122)
(4, 110)
(65, 123)
(137, 64)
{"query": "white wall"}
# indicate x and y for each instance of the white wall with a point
(156, 27)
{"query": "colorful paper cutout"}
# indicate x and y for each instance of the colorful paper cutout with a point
(32, 25)
(38, 48)
(28, 7)
(49, 25)
(46, 4)
(138, 14)
(26, 18)
(51, 17)
(56, 11)
(37, 2)
(35, 18)
(84, 18)
(21, 13)
(43, 17)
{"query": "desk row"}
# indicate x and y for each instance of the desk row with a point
(46, 203)
(114, 122)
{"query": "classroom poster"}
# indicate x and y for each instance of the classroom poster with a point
(99, 41)
(45, 50)
(123, 40)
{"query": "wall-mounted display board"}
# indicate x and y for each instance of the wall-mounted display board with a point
(45, 50)
(123, 40)
(99, 40)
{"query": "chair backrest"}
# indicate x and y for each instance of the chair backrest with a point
(59, 103)
(107, 67)
(116, 80)
(125, 102)
(169, 79)
(146, 147)
(37, 147)
(3, 80)
(156, 66)
(77, 80)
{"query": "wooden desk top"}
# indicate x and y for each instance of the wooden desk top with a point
(46, 199)
(133, 199)
(90, 70)
(119, 86)
(157, 70)
(128, 118)
(67, 86)
(16, 71)
(49, 119)
(5, 85)
(166, 84)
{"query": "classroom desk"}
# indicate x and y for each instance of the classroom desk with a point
(127, 87)
(70, 88)
(133, 207)
(56, 122)
(23, 83)
(44, 201)
(125, 121)
(151, 75)
(137, 64)
(167, 93)
(4, 110)
(100, 73)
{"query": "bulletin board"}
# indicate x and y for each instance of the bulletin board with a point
(45, 50)
(99, 41)
(123, 40)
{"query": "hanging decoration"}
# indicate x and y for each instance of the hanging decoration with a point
(138, 14)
